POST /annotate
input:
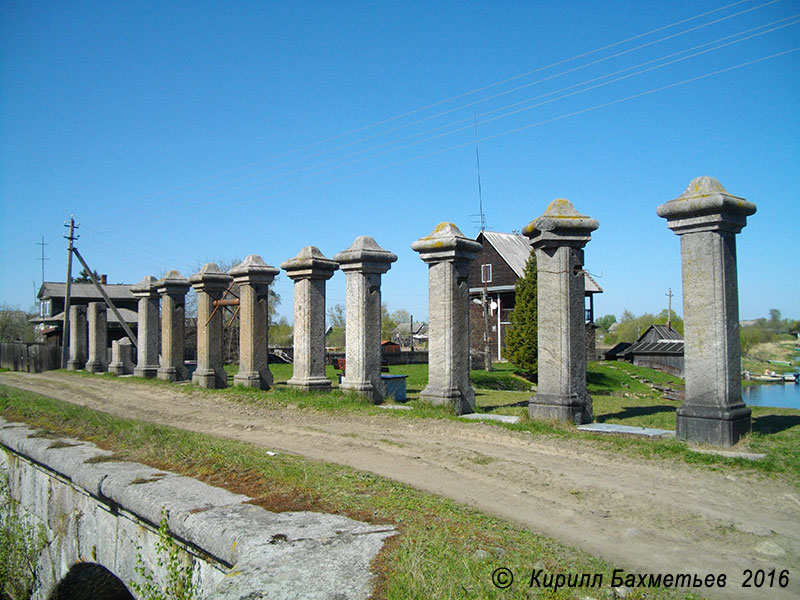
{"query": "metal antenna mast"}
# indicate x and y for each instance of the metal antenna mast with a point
(42, 244)
(485, 293)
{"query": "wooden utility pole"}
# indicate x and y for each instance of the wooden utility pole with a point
(65, 341)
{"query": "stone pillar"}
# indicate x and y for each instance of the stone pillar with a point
(363, 264)
(253, 277)
(558, 238)
(147, 333)
(210, 284)
(77, 337)
(309, 270)
(98, 338)
(121, 357)
(172, 288)
(448, 254)
(708, 218)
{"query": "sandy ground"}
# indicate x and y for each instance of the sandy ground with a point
(644, 516)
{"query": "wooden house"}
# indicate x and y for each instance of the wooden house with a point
(660, 347)
(500, 263)
(52, 299)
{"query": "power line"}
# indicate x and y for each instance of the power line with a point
(393, 145)
(477, 90)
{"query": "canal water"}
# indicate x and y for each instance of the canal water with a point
(780, 395)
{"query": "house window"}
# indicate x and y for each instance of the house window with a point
(486, 273)
(45, 307)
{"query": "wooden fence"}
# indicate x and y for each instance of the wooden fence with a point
(31, 358)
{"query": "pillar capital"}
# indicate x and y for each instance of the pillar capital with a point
(706, 205)
(253, 271)
(309, 263)
(172, 284)
(146, 288)
(210, 279)
(365, 256)
(446, 243)
(560, 225)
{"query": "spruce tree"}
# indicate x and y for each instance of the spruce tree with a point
(521, 337)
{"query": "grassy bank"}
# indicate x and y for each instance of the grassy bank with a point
(443, 550)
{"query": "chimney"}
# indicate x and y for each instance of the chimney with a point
(104, 279)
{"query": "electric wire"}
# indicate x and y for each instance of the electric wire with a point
(393, 147)
(479, 89)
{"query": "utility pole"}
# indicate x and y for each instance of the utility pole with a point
(669, 309)
(65, 342)
(411, 332)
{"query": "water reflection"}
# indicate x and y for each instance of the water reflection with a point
(780, 395)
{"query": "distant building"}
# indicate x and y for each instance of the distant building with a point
(498, 266)
(660, 347)
(52, 299)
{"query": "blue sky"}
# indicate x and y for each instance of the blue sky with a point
(180, 132)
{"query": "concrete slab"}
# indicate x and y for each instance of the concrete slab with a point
(730, 453)
(626, 429)
(395, 407)
(488, 417)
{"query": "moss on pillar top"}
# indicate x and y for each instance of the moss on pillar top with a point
(560, 225)
(365, 255)
(706, 205)
(446, 242)
(309, 263)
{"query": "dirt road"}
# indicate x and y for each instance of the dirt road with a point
(645, 516)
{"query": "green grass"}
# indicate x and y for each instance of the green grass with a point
(443, 550)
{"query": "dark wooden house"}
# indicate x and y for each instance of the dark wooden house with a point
(660, 347)
(52, 298)
(500, 263)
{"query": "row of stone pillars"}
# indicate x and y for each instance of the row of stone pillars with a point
(707, 218)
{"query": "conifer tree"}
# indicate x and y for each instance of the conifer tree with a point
(521, 337)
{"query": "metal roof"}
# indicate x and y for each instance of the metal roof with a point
(115, 291)
(657, 347)
(515, 250)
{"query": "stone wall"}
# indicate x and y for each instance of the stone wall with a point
(107, 513)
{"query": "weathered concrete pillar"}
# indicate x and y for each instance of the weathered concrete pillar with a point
(363, 264)
(121, 357)
(309, 270)
(98, 338)
(210, 284)
(253, 277)
(708, 218)
(147, 333)
(172, 288)
(448, 254)
(558, 238)
(77, 337)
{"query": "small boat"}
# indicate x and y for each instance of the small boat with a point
(791, 377)
(767, 378)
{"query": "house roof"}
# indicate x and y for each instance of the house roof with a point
(668, 341)
(515, 250)
(115, 291)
